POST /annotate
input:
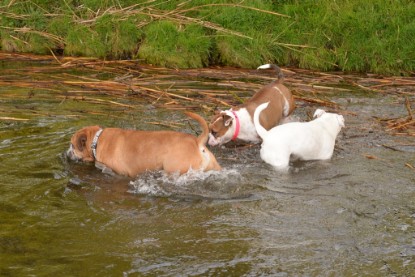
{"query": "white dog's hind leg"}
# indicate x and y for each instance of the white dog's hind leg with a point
(279, 159)
(282, 164)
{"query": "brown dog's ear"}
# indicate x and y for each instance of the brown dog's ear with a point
(227, 120)
(81, 142)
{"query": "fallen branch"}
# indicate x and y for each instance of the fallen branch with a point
(402, 125)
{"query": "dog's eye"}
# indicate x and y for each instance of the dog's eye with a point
(214, 133)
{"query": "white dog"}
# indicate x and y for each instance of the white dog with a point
(312, 140)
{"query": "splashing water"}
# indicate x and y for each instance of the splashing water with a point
(194, 183)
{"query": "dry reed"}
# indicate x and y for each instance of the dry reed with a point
(192, 88)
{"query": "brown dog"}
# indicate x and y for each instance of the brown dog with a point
(130, 152)
(237, 123)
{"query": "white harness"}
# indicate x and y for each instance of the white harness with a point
(94, 143)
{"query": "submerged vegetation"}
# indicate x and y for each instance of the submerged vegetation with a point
(369, 36)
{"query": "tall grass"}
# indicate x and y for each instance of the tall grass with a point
(375, 36)
(171, 45)
(350, 35)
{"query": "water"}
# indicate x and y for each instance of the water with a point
(352, 215)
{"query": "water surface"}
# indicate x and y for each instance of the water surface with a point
(352, 215)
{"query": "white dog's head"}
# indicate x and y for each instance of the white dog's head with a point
(319, 113)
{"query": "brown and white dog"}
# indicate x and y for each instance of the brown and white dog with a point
(131, 152)
(237, 123)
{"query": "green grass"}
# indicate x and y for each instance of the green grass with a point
(350, 35)
(368, 36)
(171, 45)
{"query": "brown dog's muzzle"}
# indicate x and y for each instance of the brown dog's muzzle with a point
(70, 153)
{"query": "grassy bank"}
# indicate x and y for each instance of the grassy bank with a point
(370, 36)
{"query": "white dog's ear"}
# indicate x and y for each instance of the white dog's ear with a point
(318, 113)
(340, 119)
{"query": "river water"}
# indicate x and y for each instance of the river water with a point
(351, 216)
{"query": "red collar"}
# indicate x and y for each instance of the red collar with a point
(237, 127)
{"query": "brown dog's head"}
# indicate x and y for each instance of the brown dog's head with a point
(80, 147)
(221, 128)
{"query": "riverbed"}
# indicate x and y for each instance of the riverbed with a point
(353, 215)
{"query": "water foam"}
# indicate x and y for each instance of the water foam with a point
(211, 184)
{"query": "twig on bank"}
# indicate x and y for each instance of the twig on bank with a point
(408, 107)
(402, 125)
(172, 125)
(13, 118)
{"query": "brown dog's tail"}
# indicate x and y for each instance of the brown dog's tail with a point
(203, 137)
(278, 71)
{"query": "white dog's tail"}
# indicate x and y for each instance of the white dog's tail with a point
(259, 129)
(278, 70)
